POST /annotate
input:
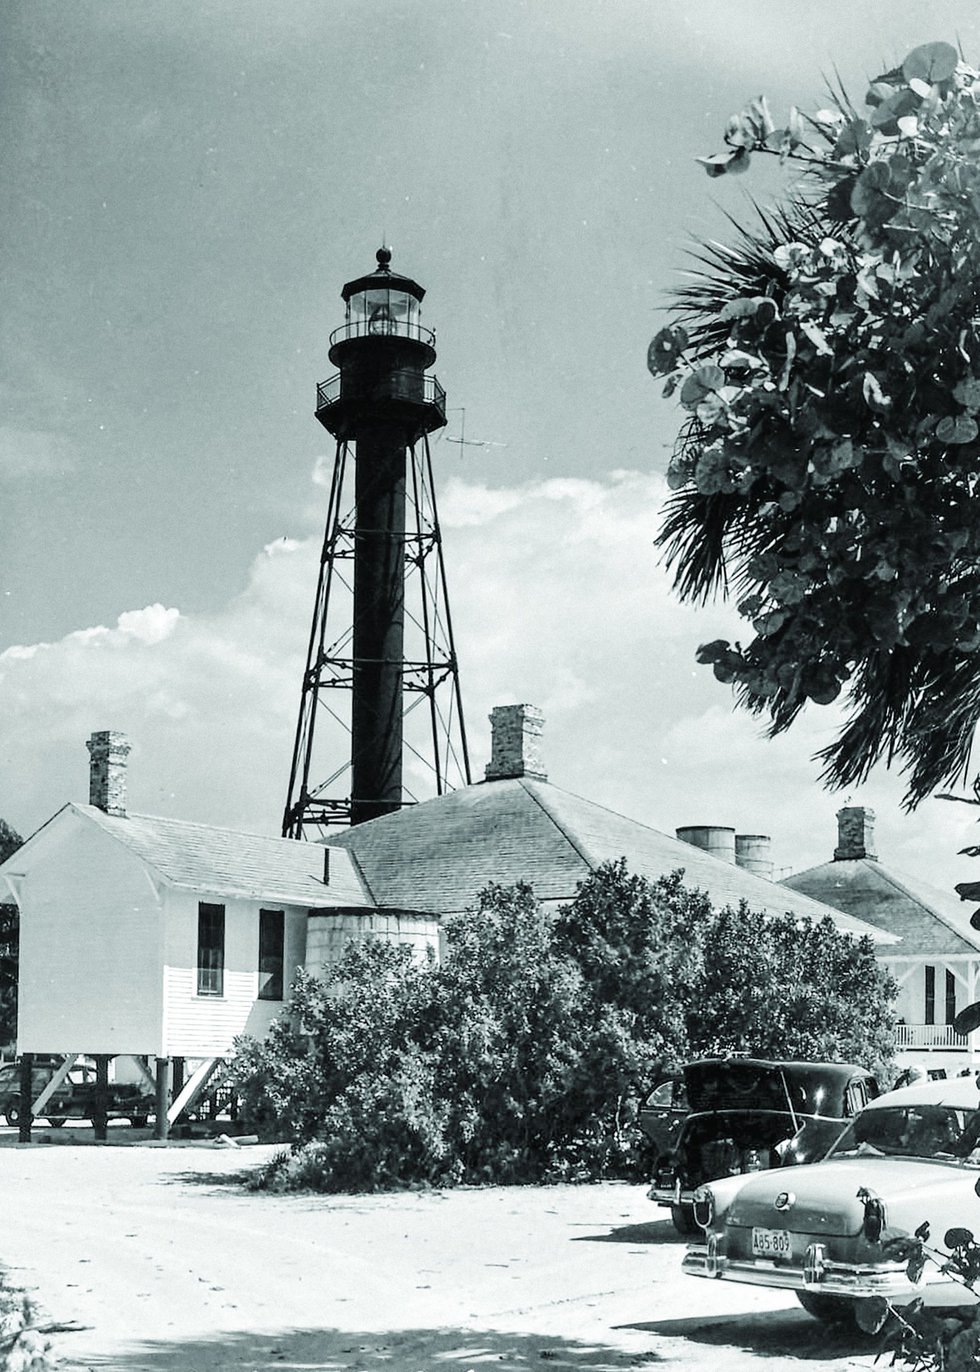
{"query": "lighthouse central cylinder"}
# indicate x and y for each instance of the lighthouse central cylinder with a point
(379, 622)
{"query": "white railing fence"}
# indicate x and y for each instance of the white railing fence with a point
(929, 1036)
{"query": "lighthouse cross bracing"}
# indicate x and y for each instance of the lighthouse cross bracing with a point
(381, 639)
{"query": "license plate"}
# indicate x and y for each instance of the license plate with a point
(771, 1243)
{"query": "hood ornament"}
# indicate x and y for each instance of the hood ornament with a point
(784, 1201)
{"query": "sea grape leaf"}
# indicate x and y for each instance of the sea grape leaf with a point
(967, 392)
(958, 1237)
(874, 396)
(700, 384)
(665, 350)
(957, 429)
(890, 111)
(718, 163)
(871, 1313)
(930, 62)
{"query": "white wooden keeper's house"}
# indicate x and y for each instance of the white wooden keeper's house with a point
(159, 941)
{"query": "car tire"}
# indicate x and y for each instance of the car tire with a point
(12, 1115)
(683, 1217)
(139, 1121)
(827, 1309)
(56, 1121)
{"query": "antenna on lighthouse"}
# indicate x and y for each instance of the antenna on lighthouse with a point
(381, 640)
(469, 442)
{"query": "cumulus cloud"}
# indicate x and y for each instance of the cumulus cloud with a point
(559, 599)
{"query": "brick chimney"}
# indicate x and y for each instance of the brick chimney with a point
(515, 734)
(108, 750)
(855, 834)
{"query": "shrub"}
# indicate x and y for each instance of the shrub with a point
(522, 1058)
(25, 1345)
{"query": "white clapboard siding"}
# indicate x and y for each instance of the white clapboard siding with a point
(91, 940)
(206, 1026)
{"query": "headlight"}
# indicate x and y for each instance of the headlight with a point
(704, 1206)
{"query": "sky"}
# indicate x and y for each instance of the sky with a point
(188, 185)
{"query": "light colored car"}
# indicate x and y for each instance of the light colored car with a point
(910, 1157)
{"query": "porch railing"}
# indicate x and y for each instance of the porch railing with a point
(930, 1036)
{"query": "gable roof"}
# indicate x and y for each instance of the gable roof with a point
(927, 920)
(439, 855)
(201, 857)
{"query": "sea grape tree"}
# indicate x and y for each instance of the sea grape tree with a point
(826, 472)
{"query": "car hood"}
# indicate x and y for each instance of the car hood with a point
(823, 1198)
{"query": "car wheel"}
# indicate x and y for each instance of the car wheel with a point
(683, 1217)
(139, 1121)
(56, 1121)
(827, 1309)
(12, 1115)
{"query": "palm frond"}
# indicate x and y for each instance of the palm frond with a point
(693, 533)
(917, 704)
(939, 734)
(838, 94)
(742, 269)
(878, 702)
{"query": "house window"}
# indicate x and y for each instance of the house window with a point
(210, 950)
(930, 1015)
(950, 997)
(271, 935)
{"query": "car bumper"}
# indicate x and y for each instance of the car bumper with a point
(819, 1274)
(671, 1195)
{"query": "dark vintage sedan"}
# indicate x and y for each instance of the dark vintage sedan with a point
(750, 1115)
(662, 1113)
(75, 1098)
(911, 1158)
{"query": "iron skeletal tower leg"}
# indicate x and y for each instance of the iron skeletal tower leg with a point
(381, 630)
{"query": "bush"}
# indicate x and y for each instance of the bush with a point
(24, 1343)
(522, 1058)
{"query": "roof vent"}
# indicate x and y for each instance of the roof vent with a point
(752, 851)
(713, 838)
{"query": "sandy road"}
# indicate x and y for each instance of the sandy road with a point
(170, 1264)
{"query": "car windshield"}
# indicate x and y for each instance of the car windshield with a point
(914, 1131)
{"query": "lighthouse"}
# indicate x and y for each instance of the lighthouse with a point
(391, 647)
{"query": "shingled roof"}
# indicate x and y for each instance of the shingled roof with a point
(439, 855)
(201, 857)
(929, 922)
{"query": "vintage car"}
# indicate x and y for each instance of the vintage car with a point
(661, 1114)
(825, 1232)
(75, 1098)
(750, 1115)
